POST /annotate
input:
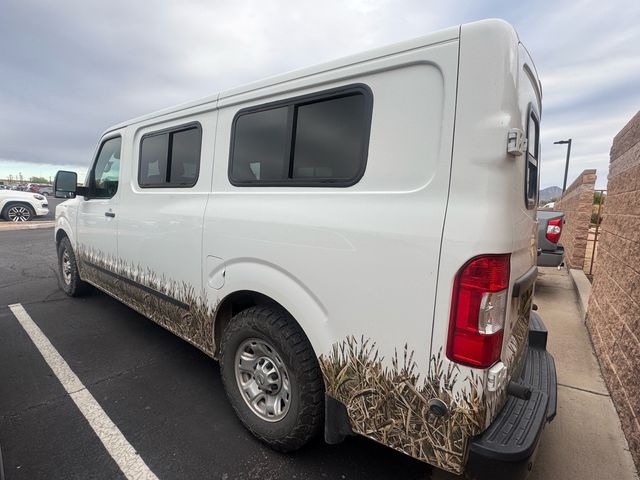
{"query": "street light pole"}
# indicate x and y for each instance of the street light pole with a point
(566, 165)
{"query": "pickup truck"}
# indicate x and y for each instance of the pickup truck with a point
(550, 252)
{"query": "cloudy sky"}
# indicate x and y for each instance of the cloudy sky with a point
(70, 69)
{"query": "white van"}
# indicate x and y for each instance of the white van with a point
(355, 243)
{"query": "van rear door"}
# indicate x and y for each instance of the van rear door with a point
(524, 211)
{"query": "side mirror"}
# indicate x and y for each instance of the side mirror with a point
(65, 184)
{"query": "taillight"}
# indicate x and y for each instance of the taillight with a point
(478, 310)
(554, 229)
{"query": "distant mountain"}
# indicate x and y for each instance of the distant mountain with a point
(549, 193)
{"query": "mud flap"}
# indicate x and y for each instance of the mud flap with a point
(336, 421)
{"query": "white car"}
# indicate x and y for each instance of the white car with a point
(16, 206)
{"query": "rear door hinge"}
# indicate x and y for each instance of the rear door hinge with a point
(516, 142)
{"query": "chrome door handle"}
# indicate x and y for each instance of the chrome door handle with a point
(109, 214)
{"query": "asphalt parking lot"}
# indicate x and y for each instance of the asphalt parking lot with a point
(162, 394)
(165, 398)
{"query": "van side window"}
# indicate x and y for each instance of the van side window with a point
(319, 140)
(170, 158)
(531, 167)
(261, 145)
(103, 180)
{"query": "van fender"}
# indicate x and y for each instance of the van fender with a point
(64, 226)
(283, 287)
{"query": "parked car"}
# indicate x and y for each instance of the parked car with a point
(295, 230)
(550, 251)
(16, 206)
(45, 190)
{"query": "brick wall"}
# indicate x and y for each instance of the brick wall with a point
(576, 204)
(613, 315)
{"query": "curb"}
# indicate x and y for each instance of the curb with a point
(11, 226)
(583, 289)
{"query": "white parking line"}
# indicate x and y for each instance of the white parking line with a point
(111, 437)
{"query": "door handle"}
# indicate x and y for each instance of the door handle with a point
(109, 214)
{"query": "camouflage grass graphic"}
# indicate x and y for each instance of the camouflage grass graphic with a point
(194, 324)
(390, 405)
(387, 404)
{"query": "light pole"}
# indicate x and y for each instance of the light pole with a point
(566, 165)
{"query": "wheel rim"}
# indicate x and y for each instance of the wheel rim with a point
(263, 379)
(18, 213)
(66, 266)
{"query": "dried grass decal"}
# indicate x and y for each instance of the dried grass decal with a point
(194, 324)
(390, 405)
(387, 402)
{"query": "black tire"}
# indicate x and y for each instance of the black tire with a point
(304, 417)
(27, 212)
(71, 283)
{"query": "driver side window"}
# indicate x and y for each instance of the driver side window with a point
(103, 181)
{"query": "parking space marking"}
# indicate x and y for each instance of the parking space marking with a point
(122, 452)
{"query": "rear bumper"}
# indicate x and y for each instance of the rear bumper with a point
(551, 258)
(507, 448)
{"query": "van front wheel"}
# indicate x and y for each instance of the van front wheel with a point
(68, 268)
(272, 377)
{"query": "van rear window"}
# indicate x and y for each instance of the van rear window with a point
(318, 140)
(170, 158)
(532, 161)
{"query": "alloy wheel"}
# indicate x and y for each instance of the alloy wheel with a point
(19, 213)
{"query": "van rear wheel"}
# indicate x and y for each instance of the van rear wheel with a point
(272, 377)
(68, 268)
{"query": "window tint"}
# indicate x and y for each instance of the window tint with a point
(170, 158)
(328, 143)
(532, 136)
(260, 146)
(531, 168)
(313, 140)
(106, 170)
(185, 157)
(153, 160)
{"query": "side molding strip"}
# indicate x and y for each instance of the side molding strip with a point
(156, 293)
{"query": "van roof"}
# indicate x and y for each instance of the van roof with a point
(440, 36)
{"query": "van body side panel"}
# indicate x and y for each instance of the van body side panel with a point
(357, 266)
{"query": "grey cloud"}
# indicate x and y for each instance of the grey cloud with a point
(70, 69)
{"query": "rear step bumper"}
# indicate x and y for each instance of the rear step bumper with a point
(507, 448)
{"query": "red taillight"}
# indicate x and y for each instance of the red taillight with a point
(554, 229)
(478, 310)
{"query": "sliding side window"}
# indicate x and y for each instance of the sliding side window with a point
(317, 140)
(170, 158)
